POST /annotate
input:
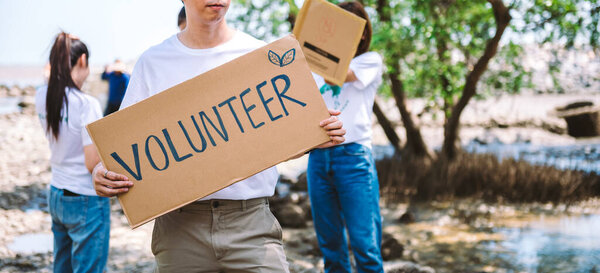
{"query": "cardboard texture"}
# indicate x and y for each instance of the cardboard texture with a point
(213, 130)
(329, 36)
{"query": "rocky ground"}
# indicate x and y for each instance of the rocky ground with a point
(409, 244)
(24, 179)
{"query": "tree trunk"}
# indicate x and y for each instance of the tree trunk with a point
(384, 16)
(387, 126)
(502, 16)
(415, 146)
(442, 48)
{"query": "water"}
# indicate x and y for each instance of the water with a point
(32, 243)
(383, 151)
(9, 105)
(581, 156)
(557, 243)
(553, 244)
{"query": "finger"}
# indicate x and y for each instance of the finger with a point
(115, 184)
(334, 112)
(337, 139)
(116, 176)
(108, 192)
(328, 121)
(337, 132)
(334, 125)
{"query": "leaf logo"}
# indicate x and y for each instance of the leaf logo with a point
(287, 58)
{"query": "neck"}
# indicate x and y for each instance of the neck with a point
(78, 77)
(201, 36)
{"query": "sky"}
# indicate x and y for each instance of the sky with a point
(110, 28)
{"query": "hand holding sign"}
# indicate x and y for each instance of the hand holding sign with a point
(210, 131)
(334, 129)
(109, 184)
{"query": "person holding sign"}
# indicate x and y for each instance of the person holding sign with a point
(80, 218)
(342, 180)
(231, 230)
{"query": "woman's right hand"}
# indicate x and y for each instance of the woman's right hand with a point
(109, 184)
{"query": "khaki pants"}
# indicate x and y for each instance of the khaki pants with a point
(219, 236)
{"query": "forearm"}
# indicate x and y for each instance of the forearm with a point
(350, 76)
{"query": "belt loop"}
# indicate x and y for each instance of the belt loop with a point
(243, 204)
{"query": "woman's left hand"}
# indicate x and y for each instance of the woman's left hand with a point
(334, 129)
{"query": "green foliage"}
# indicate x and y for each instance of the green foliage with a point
(434, 44)
(264, 19)
(570, 22)
(507, 74)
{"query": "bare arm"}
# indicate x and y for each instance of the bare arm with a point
(91, 157)
(350, 77)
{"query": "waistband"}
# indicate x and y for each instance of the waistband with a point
(224, 204)
(65, 192)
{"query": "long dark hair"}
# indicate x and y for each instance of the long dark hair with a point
(65, 52)
(358, 9)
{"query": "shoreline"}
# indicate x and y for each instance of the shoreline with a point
(25, 174)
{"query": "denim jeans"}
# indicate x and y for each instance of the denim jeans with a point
(344, 195)
(81, 228)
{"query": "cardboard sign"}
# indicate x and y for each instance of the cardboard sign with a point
(329, 36)
(213, 130)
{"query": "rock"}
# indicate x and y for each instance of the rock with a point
(3, 90)
(291, 215)
(391, 249)
(23, 104)
(407, 218)
(498, 124)
(311, 240)
(582, 118)
(21, 197)
(553, 128)
(14, 92)
(28, 91)
(406, 267)
(286, 179)
(301, 184)
(305, 205)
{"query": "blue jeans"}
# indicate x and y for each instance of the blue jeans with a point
(344, 195)
(81, 227)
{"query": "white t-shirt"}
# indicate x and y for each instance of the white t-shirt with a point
(170, 63)
(355, 99)
(67, 159)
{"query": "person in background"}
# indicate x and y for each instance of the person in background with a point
(118, 80)
(231, 230)
(80, 218)
(342, 180)
(181, 19)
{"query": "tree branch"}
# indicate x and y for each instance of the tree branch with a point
(502, 17)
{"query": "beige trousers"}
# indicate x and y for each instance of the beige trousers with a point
(219, 236)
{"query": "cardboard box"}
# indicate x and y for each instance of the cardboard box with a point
(253, 112)
(329, 36)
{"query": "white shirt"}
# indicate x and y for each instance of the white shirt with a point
(67, 159)
(355, 99)
(170, 63)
